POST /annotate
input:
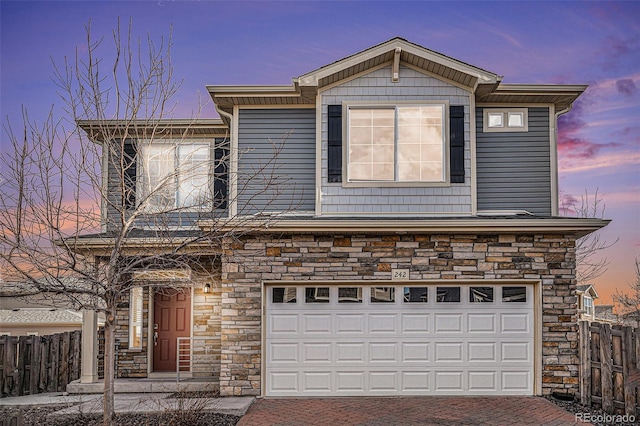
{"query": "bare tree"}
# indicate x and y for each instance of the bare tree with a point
(629, 303)
(84, 218)
(590, 260)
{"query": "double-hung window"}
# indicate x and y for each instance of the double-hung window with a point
(175, 175)
(397, 143)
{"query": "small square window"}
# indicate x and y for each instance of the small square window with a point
(350, 295)
(416, 294)
(317, 295)
(284, 295)
(514, 294)
(516, 119)
(383, 294)
(495, 120)
(480, 294)
(448, 294)
(505, 120)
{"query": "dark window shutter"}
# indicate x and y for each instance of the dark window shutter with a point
(129, 174)
(334, 120)
(221, 174)
(456, 143)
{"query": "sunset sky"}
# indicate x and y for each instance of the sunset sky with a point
(218, 43)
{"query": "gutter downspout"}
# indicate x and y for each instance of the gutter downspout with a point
(233, 164)
(555, 201)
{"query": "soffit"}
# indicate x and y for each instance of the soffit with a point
(562, 96)
(101, 130)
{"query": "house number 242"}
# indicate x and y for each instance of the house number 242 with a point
(400, 274)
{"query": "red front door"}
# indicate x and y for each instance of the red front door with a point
(172, 316)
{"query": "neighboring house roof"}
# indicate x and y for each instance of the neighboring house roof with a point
(587, 289)
(40, 316)
(603, 309)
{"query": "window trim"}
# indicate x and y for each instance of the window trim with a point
(175, 142)
(346, 106)
(505, 120)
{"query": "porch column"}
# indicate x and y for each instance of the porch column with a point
(89, 360)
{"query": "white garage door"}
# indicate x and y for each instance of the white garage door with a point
(474, 339)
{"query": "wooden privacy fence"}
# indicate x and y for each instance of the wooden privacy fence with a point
(33, 364)
(609, 361)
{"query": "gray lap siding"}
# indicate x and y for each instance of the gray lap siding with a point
(514, 168)
(276, 160)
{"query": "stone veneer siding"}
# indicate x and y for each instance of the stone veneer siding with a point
(305, 258)
(205, 322)
(134, 362)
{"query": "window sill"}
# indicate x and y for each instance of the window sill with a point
(382, 184)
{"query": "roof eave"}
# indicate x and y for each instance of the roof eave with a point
(577, 227)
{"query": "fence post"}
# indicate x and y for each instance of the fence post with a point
(585, 363)
(628, 366)
(606, 371)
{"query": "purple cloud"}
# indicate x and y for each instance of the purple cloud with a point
(626, 86)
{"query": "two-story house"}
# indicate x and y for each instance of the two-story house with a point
(587, 296)
(415, 247)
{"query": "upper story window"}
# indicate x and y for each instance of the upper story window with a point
(588, 305)
(505, 120)
(396, 143)
(175, 175)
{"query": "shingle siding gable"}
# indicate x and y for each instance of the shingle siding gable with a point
(377, 87)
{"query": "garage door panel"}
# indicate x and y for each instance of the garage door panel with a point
(382, 323)
(448, 323)
(447, 352)
(415, 323)
(416, 382)
(349, 381)
(317, 381)
(383, 352)
(283, 353)
(482, 351)
(285, 324)
(350, 352)
(383, 381)
(516, 380)
(515, 323)
(316, 351)
(449, 381)
(351, 349)
(478, 323)
(283, 382)
(415, 352)
(316, 324)
(350, 323)
(483, 381)
(516, 351)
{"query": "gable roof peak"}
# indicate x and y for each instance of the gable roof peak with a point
(410, 53)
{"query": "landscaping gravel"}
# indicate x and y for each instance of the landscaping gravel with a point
(593, 415)
(38, 417)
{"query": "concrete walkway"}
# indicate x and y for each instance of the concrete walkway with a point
(401, 411)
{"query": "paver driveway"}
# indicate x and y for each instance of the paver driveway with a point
(407, 411)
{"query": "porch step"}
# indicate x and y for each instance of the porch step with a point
(163, 385)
